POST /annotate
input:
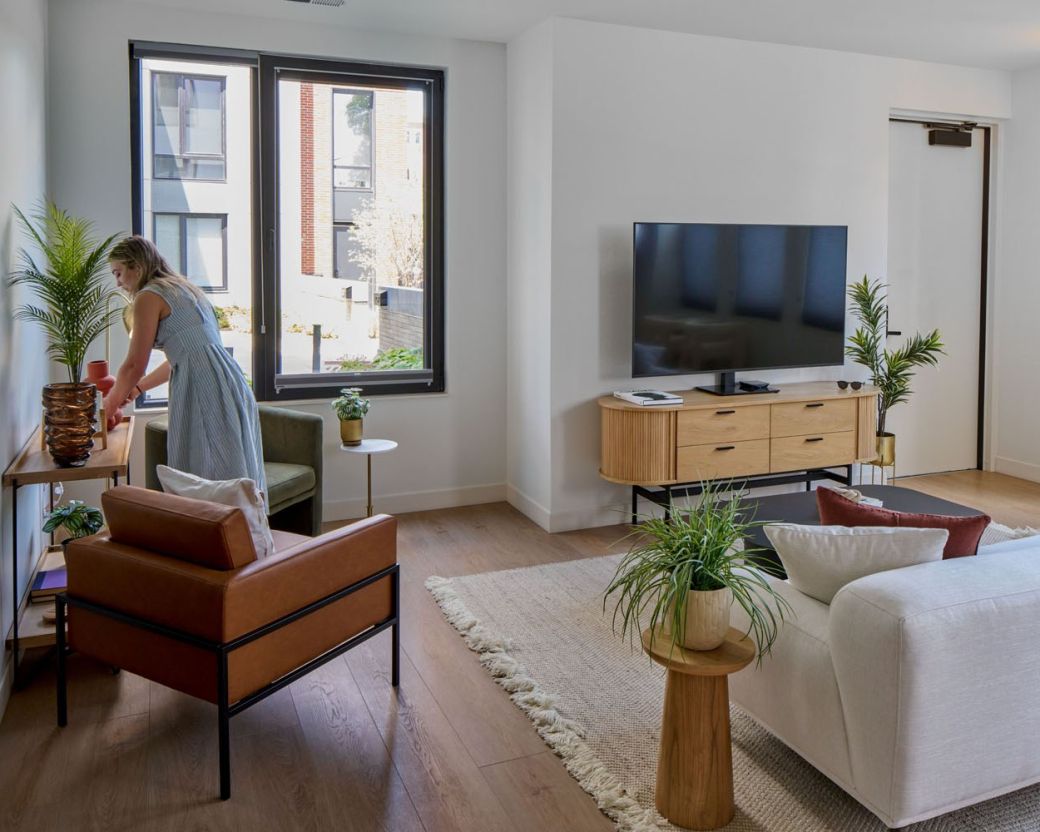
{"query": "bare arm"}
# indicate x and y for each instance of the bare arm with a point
(148, 309)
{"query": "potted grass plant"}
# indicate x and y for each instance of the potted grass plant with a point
(73, 305)
(683, 573)
(351, 410)
(891, 371)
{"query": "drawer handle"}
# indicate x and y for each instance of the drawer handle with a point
(814, 439)
(815, 404)
(725, 447)
(724, 412)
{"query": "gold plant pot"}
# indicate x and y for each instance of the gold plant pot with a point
(350, 431)
(69, 422)
(886, 450)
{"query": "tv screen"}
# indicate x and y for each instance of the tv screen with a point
(719, 298)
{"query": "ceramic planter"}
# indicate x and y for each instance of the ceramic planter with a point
(707, 619)
(350, 431)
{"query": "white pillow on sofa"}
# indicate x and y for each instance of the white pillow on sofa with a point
(820, 560)
(241, 493)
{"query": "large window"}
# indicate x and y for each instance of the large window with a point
(335, 277)
(196, 246)
(188, 126)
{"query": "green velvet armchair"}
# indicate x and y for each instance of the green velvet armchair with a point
(292, 463)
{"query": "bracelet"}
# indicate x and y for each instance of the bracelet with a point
(140, 392)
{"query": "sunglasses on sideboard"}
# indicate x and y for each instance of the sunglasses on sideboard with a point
(855, 385)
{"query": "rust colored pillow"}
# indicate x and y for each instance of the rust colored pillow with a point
(965, 532)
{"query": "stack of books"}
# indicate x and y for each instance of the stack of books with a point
(648, 398)
(48, 583)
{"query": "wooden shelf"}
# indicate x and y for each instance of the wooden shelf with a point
(32, 631)
(34, 464)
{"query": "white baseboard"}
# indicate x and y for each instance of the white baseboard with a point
(1016, 468)
(415, 501)
(530, 508)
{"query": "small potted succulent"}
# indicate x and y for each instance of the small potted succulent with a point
(351, 409)
(684, 572)
(79, 520)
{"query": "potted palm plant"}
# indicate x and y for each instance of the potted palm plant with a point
(890, 370)
(74, 306)
(351, 409)
(684, 572)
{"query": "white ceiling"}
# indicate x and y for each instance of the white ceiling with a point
(1002, 34)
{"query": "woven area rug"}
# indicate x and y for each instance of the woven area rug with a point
(596, 701)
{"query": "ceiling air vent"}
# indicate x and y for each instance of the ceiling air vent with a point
(319, 2)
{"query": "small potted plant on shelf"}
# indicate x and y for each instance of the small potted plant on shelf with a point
(78, 519)
(890, 370)
(351, 409)
(684, 572)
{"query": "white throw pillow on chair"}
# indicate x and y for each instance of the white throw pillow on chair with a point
(820, 560)
(241, 493)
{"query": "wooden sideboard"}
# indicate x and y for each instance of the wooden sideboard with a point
(806, 426)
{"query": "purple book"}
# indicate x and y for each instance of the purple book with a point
(49, 582)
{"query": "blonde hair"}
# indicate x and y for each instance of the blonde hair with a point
(142, 253)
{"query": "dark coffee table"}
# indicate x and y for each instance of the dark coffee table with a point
(801, 508)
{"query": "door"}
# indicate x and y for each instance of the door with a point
(934, 276)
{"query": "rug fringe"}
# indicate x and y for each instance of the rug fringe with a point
(562, 735)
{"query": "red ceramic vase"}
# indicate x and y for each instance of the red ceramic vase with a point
(97, 372)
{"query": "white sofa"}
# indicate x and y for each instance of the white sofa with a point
(917, 690)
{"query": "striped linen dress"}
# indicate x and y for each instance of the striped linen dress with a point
(214, 425)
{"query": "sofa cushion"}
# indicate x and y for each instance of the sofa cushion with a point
(241, 492)
(965, 532)
(287, 482)
(209, 534)
(820, 560)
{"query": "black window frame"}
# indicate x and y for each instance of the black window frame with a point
(182, 124)
(181, 267)
(267, 69)
(266, 349)
(371, 143)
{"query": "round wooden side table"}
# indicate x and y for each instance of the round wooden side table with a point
(695, 763)
(369, 447)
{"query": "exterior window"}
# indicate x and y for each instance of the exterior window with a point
(351, 140)
(188, 126)
(196, 246)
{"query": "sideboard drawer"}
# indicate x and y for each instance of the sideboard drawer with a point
(802, 418)
(723, 424)
(819, 450)
(722, 460)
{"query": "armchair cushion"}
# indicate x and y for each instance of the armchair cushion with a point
(288, 482)
(204, 533)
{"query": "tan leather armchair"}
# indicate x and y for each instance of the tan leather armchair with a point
(172, 591)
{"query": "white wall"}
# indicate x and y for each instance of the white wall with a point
(530, 123)
(657, 126)
(23, 365)
(1017, 297)
(452, 446)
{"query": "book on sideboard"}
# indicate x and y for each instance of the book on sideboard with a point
(648, 398)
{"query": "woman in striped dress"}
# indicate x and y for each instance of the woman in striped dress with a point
(214, 425)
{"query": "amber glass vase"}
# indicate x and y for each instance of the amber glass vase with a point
(70, 421)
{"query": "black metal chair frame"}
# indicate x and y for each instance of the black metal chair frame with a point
(221, 650)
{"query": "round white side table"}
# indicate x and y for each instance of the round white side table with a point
(369, 447)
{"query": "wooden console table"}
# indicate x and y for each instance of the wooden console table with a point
(34, 466)
(761, 439)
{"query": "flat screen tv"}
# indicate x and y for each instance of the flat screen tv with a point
(713, 298)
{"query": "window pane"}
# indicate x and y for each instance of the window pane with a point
(167, 114)
(168, 239)
(362, 284)
(204, 116)
(206, 232)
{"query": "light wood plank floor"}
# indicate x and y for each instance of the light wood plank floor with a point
(339, 749)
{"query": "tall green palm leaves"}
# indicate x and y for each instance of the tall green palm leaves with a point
(890, 370)
(74, 296)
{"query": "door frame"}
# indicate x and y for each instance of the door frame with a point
(987, 147)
